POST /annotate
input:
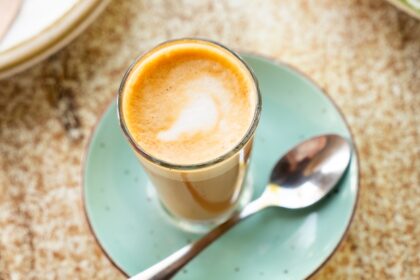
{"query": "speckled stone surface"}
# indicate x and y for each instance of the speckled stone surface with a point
(366, 54)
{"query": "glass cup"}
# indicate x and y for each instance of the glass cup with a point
(198, 196)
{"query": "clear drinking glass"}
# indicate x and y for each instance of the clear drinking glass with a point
(198, 196)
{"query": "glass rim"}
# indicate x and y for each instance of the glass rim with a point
(167, 164)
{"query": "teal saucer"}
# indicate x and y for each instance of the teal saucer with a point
(275, 244)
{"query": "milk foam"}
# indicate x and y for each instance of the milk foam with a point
(202, 112)
(188, 103)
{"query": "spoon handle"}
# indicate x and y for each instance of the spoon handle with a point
(169, 266)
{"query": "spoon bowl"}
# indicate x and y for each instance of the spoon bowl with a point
(308, 172)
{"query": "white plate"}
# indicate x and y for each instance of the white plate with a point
(411, 7)
(41, 28)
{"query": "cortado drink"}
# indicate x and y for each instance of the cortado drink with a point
(189, 108)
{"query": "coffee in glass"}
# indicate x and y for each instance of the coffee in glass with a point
(189, 108)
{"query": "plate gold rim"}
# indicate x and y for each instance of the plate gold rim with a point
(403, 6)
(46, 29)
(49, 37)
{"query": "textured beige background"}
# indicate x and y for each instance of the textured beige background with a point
(366, 54)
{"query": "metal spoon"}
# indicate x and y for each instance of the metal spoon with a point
(302, 177)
